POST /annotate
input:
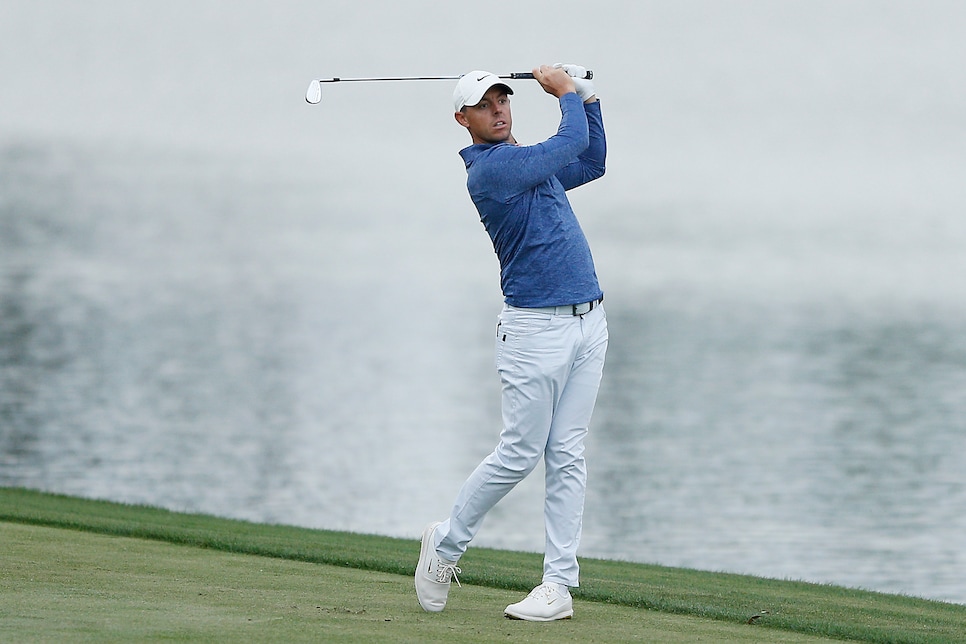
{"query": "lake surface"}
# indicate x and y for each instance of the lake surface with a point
(216, 298)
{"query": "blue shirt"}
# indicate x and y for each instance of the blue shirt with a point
(519, 191)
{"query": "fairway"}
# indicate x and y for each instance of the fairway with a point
(76, 569)
(66, 585)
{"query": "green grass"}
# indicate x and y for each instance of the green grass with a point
(64, 585)
(123, 573)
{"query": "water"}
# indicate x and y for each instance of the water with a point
(216, 298)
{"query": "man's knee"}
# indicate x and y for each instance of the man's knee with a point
(516, 461)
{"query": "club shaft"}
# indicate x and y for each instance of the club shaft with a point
(314, 93)
(515, 75)
(512, 76)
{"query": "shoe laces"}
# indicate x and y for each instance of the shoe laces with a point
(446, 571)
(544, 591)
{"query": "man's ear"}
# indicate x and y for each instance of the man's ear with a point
(461, 119)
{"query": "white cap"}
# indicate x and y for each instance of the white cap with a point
(473, 85)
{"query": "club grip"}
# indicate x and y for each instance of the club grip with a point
(523, 75)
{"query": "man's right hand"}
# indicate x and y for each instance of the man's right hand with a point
(554, 80)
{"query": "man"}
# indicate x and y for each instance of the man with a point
(551, 335)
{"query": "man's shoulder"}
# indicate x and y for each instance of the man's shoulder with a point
(480, 152)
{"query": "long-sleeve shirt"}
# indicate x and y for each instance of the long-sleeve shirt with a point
(519, 192)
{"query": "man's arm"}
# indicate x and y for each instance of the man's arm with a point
(591, 163)
(505, 171)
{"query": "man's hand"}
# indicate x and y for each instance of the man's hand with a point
(583, 86)
(554, 80)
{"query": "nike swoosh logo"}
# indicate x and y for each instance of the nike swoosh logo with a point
(481, 77)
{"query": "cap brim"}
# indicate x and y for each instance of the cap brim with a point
(480, 91)
(481, 87)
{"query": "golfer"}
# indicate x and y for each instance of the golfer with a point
(551, 336)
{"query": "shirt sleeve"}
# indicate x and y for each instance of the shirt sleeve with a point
(590, 164)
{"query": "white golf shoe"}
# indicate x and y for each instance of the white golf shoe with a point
(433, 574)
(545, 603)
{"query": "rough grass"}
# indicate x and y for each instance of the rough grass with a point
(291, 593)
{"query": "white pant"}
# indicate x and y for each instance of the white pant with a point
(550, 366)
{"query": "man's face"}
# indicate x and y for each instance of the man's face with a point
(488, 121)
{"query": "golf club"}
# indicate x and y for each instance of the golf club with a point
(313, 94)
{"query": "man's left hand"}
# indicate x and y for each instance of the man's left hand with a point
(583, 86)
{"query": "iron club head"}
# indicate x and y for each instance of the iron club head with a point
(314, 93)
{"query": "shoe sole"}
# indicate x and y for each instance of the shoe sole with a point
(424, 547)
(567, 614)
